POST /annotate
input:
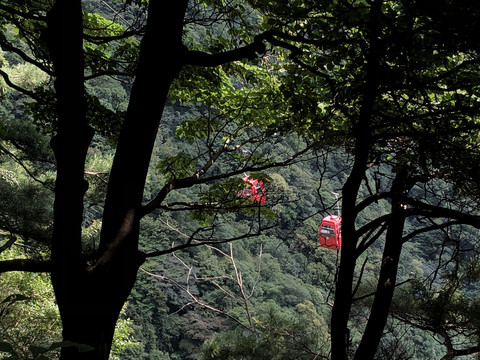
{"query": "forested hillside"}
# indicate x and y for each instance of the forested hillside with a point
(269, 294)
(165, 168)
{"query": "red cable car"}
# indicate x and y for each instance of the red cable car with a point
(330, 232)
(255, 191)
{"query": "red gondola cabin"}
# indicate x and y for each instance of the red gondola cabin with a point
(255, 191)
(330, 232)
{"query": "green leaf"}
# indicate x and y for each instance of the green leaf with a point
(177, 166)
(197, 128)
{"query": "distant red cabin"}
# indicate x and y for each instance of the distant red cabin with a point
(330, 232)
(255, 191)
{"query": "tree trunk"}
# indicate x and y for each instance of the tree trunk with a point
(90, 298)
(388, 273)
(70, 144)
(90, 319)
(343, 288)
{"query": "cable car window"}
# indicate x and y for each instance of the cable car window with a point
(327, 231)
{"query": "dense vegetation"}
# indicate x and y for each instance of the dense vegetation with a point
(124, 136)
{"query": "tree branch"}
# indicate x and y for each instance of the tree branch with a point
(191, 244)
(194, 298)
(428, 210)
(196, 179)
(8, 244)
(29, 265)
(16, 87)
(25, 15)
(251, 51)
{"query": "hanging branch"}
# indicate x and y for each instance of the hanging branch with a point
(194, 298)
(237, 279)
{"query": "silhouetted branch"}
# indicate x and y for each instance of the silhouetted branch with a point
(29, 265)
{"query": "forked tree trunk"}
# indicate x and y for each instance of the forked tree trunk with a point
(362, 127)
(90, 318)
(388, 273)
(90, 298)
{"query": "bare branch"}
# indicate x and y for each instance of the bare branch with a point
(20, 162)
(239, 279)
(194, 298)
(191, 243)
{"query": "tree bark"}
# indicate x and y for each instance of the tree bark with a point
(70, 144)
(343, 288)
(388, 272)
(90, 298)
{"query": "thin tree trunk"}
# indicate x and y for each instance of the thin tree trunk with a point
(343, 288)
(388, 273)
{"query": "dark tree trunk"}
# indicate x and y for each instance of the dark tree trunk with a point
(343, 288)
(388, 273)
(90, 298)
(70, 144)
